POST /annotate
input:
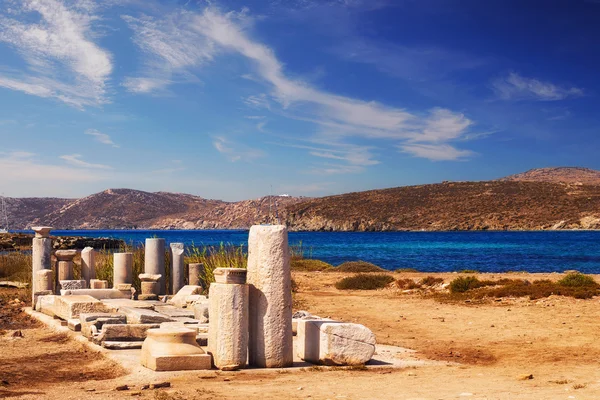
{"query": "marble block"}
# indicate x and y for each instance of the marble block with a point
(173, 349)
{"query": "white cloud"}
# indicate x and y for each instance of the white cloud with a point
(101, 137)
(435, 152)
(75, 159)
(235, 151)
(63, 61)
(517, 87)
(211, 32)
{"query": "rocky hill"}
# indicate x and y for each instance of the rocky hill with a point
(580, 175)
(548, 198)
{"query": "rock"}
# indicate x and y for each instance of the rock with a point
(301, 314)
(122, 387)
(525, 377)
(74, 325)
(126, 333)
(117, 304)
(142, 316)
(115, 345)
(69, 307)
(92, 323)
(201, 312)
(180, 299)
(100, 294)
(160, 385)
(334, 343)
(174, 312)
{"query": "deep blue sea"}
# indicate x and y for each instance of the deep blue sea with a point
(424, 251)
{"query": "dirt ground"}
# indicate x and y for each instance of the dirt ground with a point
(506, 349)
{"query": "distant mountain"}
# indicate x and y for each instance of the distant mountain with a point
(547, 198)
(584, 176)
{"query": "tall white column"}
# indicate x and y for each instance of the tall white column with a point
(41, 253)
(88, 264)
(177, 256)
(122, 268)
(269, 278)
(154, 261)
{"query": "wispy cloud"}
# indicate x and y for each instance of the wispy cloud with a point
(56, 41)
(101, 137)
(235, 151)
(435, 152)
(517, 87)
(76, 160)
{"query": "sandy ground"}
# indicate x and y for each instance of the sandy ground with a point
(484, 351)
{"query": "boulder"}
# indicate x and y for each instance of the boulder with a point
(123, 332)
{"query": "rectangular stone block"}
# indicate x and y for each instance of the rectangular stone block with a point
(123, 333)
(175, 312)
(39, 294)
(180, 299)
(334, 343)
(143, 316)
(74, 325)
(91, 324)
(69, 307)
(117, 304)
(115, 345)
(72, 284)
(98, 284)
(100, 294)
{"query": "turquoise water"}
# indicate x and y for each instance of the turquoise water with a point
(424, 251)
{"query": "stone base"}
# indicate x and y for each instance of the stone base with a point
(146, 297)
(173, 349)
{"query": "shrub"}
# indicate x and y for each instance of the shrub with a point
(576, 279)
(364, 282)
(464, 283)
(358, 266)
(468, 271)
(431, 281)
(407, 283)
(400, 270)
(15, 266)
(309, 265)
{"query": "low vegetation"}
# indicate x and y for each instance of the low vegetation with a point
(364, 282)
(15, 266)
(425, 283)
(575, 285)
(357, 266)
(309, 265)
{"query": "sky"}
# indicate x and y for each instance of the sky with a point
(238, 99)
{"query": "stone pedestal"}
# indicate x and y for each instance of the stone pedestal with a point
(41, 253)
(177, 254)
(88, 264)
(65, 264)
(150, 286)
(98, 284)
(154, 261)
(230, 275)
(228, 325)
(173, 349)
(45, 280)
(269, 277)
(122, 268)
(195, 271)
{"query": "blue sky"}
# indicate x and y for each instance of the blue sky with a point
(224, 99)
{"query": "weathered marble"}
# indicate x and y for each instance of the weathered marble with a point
(173, 349)
(45, 280)
(177, 254)
(150, 286)
(269, 277)
(195, 271)
(74, 324)
(154, 260)
(72, 285)
(100, 294)
(41, 231)
(41, 254)
(201, 311)
(142, 316)
(98, 284)
(334, 343)
(230, 275)
(91, 323)
(123, 266)
(228, 325)
(69, 307)
(174, 312)
(123, 332)
(180, 299)
(117, 304)
(88, 264)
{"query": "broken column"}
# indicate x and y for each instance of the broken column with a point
(195, 271)
(122, 268)
(177, 250)
(269, 278)
(173, 349)
(228, 323)
(45, 281)
(65, 265)
(150, 286)
(154, 260)
(41, 253)
(88, 264)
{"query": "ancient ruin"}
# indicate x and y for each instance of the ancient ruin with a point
(154, 261)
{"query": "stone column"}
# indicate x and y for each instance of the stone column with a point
(195, 270)
(65, 264)
(45, 280)
(88, 265)
(154, 260)
(269, 277)
(122, 268)
(177, 250)
(41, 253)
(149, 285)
(228, 322)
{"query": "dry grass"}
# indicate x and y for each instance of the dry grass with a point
(357, 266)
(309, 265)
(364, 282)
(15, 266)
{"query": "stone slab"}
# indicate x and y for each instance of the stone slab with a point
(45, 304)
(143, 316)
(146, 297)
(174, 311)
(180, 299)
(334, 343)
(91, 324)
(74, 325)
(201, 311)
(119, 303)
(100, 294)
(124, 333)
(116, 345)
(69, 307)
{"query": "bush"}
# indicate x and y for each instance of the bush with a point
(464, 283)
(358, 266)
(400, 270)
(576, 279)
(407, 283)
(309, 265)
(430, 281)
(364, 282)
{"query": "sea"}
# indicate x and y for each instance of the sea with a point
(540, 251)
